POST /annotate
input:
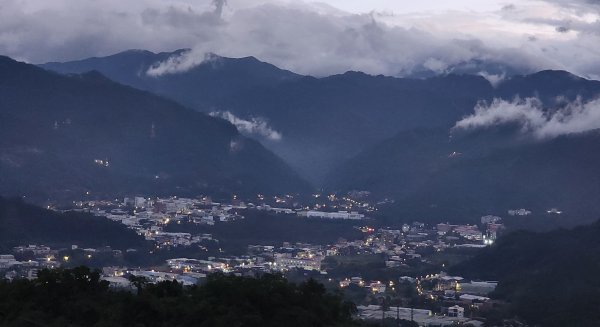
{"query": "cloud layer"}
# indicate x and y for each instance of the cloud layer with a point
(305, 37)
(575, 117)
(252, 126)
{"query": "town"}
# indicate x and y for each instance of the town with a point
(389, 272)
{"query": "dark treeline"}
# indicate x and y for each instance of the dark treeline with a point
(78, 297)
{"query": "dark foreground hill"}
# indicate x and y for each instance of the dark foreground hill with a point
(72, 136)
(78, 297)
(22, 224)
(549, 279)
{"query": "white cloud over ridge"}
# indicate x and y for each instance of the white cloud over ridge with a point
(305, 37)
(252, 126)
(181, 63)
(574, 117)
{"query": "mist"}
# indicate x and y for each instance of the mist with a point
(533, 119)
(253, 126)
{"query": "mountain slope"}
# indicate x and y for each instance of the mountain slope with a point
(199, 87)
(24, 224)
(434, 174)
(325, 121)
(550, 86)
(350, 111)
(549, 279)
(57, 134)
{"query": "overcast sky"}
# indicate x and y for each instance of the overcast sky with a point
(393, 37)
(406, 6)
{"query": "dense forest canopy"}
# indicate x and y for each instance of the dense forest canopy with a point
(78, 297)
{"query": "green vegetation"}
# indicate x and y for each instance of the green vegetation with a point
(77, 297)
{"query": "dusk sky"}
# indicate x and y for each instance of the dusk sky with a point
(318, 38)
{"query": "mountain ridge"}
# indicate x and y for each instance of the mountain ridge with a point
(148, 143)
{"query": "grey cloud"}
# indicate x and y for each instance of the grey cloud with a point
(309, 42)
(302, 37)
(219, 5)
(577, 4)
(509, 7)
(575, 117)
(494, 79)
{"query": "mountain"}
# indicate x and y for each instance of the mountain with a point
(329, 120)
(439, 171)
(200, 87)
(551, 86)
(548, 279)
(462, 176)
(24, 224)
(494, 70)
(67, 137)
(325, 121)
(350, 110)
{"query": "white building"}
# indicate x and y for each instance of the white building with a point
(286, 261)
(332, 215)
(478, 288)
(456, 311)
(7, 261)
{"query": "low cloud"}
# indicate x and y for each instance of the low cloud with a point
(181, 63)
(253, 126)
(574, 117)
(494, 79)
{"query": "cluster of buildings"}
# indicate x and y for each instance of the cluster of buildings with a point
(492, 226)
(353, 215)
(302, 212)
(401, 248)
(452, 316)
(319, 206)
(26, 261)
(455, 296)
(149, 217)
